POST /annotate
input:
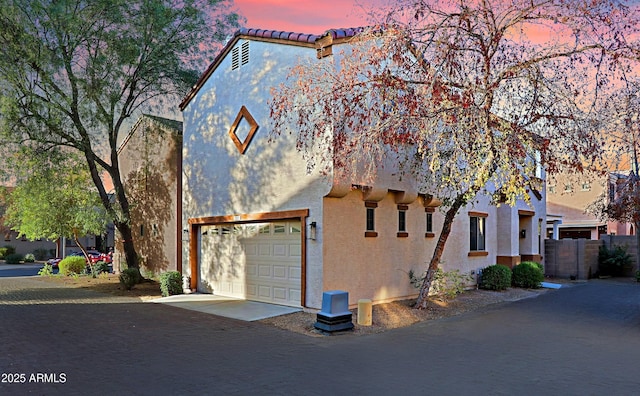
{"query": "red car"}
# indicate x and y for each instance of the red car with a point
(94, 257)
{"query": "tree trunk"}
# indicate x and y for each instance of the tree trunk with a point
(130, 254)
(421, 302)
(84, 251)
(636, 225)
(124, 214)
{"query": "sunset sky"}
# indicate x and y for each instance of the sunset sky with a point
(303, 16)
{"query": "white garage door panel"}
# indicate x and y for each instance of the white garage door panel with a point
(257, 262)
(279, 272)
(280, 250)
(295, 273)
(265, 250)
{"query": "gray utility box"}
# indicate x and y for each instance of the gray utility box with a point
(335, 314)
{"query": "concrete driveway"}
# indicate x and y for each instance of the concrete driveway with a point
(582, 340)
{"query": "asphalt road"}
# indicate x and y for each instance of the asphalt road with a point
(581, 340)
(10, 271)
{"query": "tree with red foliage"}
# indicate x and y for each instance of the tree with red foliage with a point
(466, 97)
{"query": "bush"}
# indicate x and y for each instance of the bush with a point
(129, 278)
(72, 265)
(495, 277)
(47, 270)
(13, 258)
(528, 274)
(613, 262)
(29, 258)
(101, 267)
(6, 250)
(42, 254)
(171, 283)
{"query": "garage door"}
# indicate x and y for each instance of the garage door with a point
(260, 262)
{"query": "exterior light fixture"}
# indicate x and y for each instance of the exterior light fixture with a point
(313, 228)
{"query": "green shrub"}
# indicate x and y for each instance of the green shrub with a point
(495, 277)
(13, 258)
(6, 250)
(47, 270)
(72, 265)
(100, 267)
(613, 262)
(129, 278)
(171, 283)
(29, 258)
(527, 274)
(42, 254)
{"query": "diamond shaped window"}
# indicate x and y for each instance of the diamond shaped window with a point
(243, 129)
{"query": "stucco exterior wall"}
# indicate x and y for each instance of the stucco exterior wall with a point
(377, 267)
(568, 196)
(24, 246)
(271, 175)
(372, 267)
(149, 163)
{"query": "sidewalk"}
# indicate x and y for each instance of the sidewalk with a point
(228, 307)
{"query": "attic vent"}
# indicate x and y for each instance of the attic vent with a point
(245, 53)
(235, 58)
(240, 55)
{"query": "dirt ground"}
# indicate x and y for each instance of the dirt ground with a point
(108, 284)
(385, 316)
(400, 313)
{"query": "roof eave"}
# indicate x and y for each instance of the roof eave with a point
(338, 36)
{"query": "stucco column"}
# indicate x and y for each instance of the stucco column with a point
(556, 231)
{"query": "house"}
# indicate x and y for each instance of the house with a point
(150, 164)
(569, 197)
(261, 227)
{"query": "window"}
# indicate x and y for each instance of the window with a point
(402, 221)
(612, 191)
(279, 229)
(294, 229)
(568, 188)
(429, 222)
(371, 219)
(477, 232)
(586, 186)
(370, 230)
(552, 189)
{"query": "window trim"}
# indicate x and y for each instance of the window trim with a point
(402, 221)
(370, 232)
(483, 250)
(429, 233)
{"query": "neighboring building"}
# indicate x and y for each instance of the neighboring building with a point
(262, 228)
(150, 165)
(45, 249)
(21, 244)
(567, 202)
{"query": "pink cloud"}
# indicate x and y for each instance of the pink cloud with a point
(302, 16)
